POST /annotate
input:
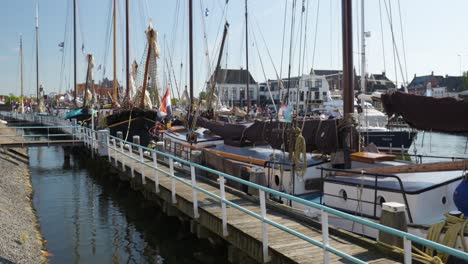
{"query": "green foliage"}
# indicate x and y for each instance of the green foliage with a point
(174, 101)
(465, 81)
(11, 99)
(202, 95)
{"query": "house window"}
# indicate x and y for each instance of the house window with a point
(252, 94)
(317, 95)
(318, 83)
(301, 96)
(242, 93)
(234, 93)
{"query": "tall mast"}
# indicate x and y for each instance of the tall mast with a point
(37, 50)
(348, 90)
(74, 51)
(363, 51)
(247, 59)
(127, 44)
(21, 70)
(114, 94)
(348, 82)
(191, 54)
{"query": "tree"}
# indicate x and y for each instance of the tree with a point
(11, 99)
(202, 95)
(465, 81)
(174, 101)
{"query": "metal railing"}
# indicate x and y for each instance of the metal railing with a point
(111, 143)
(114, 146)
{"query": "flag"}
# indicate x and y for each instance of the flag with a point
(207, 12)
(166, 109)
(61, 44)
(99, 67)
(82, 48)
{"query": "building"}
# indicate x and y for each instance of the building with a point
(232, 86)
(333, 77)
(419, 84)
(306, 90)
(380, 83)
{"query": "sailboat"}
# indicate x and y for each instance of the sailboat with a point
(136, 116)
(356, 182)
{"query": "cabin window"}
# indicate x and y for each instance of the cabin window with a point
(318, 83)
(343, 194)
(277, 180)
(380, 200)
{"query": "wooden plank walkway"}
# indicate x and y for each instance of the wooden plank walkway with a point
(41, 143)
(245, 231)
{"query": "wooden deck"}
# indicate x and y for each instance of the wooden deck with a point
(40, 143)
(245, 231)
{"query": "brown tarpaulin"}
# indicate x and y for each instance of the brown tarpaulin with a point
(428, 113)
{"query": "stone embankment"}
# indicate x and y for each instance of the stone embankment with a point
(20, 238)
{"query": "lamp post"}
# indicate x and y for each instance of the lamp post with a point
(460, 63)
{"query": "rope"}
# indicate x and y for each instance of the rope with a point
(418, 255)
(297, 150)
(455, 227)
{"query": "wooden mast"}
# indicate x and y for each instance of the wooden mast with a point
(348, 82)
(37, 50)
(218, 66)
(191, 54)
(127, 44)
(21, 70)
(145, 76)
(114, 94)
(247, 78)
(74, 52)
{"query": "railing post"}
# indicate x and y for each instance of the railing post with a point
(223, 205)
(407, 247)
(122, 151)
(156, 176)
(325, 242)
(194, 192)
(132, 163)
(108, 147)
(266, 257)
(74, 123)
(142, 165)
(173, 190)
(115, 152)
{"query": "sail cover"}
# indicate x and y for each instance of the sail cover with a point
(428, 113)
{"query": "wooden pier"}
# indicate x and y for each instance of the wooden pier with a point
(244, 232)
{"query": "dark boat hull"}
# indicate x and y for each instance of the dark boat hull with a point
(390, 141)
(133, 123)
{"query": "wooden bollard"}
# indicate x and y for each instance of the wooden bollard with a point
(393, 215)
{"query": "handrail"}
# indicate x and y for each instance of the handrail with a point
(407, 237)
(377, 175)
(371, 224)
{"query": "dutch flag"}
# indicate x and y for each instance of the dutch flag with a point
(166, 109)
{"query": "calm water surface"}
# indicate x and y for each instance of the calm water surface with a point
(87, 218)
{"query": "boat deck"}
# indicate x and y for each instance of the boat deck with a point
(245, 231)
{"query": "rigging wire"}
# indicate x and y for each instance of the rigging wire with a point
(395, 46)
(282, 45)
(263, 69)
(305, 36)
(286, 99)
(403, 42)
(382, 34)
(316, 33)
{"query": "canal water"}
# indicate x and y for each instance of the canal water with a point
(87, 218)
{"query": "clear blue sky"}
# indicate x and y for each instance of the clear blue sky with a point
(434, 35)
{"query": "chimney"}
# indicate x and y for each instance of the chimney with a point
(383, 73)
(415, 75)
(432, 73)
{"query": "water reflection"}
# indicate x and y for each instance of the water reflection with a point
(87, 218)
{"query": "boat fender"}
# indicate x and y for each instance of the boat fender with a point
(460, 196)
